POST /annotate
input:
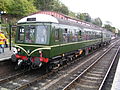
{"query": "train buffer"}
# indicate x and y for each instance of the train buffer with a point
(6, 55)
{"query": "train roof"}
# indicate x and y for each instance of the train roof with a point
(54, 17)
(39, 18)
(46, 18)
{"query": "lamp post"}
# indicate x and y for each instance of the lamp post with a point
(1, 12)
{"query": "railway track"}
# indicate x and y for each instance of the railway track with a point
(94, 76)
(6, 69)
(8, 72)
(109, 80)
(5, 66)
(11, 76)
(44, 81)
(58, 80)
(11, 82)
(19, 79)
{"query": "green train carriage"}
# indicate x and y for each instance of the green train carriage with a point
(44, 38)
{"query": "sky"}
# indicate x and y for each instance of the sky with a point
(107, 10)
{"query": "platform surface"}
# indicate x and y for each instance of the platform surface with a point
(116, 81)
(6, 55)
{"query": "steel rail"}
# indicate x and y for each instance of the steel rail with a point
(39, 78)
(109, 69)
(12, 77)
(110, 47)
(35, 80)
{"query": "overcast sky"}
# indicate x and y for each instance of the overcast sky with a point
(107, 10)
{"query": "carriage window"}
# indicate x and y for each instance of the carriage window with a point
(79, 35)
(21, 33)
(41, 35)
(74, 35)
(30, 34)
(65, 35)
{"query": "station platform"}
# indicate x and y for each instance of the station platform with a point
(6, 55)
(116, 81)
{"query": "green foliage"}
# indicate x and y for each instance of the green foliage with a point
(97, 21)
(80, 16)
(51, 5)
(62, 9)
(59, 7)
(43, 4)
(22, 7)
(17, 7)
(84, 16)
(5, 5)
(109, 27)
(72, 14)
(87, 17)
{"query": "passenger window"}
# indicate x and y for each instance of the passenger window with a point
(74, 35)
(80, 35)
(65, 35)
(56, 34)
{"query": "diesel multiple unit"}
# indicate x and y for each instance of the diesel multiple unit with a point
(50, 38)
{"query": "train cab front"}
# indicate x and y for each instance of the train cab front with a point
(30, 44)
(19, 57)
(34, 59)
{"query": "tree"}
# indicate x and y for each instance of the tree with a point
(59, 7)
(97, 21)
(21, 8)
(84, 16)
(17, 7)
(51, 5)
(88, 17)
(63, 9)
(43, 4)
(5, 5)
(72, 14)
(109, 27)
(80, 16)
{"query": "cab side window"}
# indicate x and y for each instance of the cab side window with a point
(21, 32)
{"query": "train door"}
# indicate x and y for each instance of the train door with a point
(57, 36)
(58, 39)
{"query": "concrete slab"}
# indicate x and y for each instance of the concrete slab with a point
(116, 81)
(6, 55)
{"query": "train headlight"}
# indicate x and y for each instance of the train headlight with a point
(40, 52)
(18, 49)
(28, 51)
(15, 50)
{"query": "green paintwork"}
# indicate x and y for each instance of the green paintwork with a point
(54, 50)
(55, 47)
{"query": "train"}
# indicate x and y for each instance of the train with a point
(50, 39)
